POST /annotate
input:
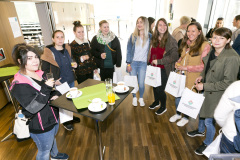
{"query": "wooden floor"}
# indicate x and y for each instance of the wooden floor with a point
(130, 133)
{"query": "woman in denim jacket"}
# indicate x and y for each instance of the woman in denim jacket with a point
(137, 54)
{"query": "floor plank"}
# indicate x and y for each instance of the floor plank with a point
(130, 133)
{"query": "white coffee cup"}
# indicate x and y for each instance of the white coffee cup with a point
(120, 85)
(97, 102)
(74, 92)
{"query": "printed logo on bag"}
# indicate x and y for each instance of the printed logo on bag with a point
(151, 74)
(174, 82)
(190, 102)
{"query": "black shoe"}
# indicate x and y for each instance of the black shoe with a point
(160, 111)
(68, 126)
(60, 156)
(195, 133)
(200, 149)
(76, 119)
(154, 105)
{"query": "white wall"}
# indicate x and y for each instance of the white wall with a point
(191, 8)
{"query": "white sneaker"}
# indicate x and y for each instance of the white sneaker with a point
(134, 102)
(141, 102)
(182, 122)
(175, 117)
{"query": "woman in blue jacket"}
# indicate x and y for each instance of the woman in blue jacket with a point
(137, 54)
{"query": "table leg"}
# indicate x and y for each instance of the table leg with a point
(99, 140)
(15, 105)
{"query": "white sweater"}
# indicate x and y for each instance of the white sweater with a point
(224, 113)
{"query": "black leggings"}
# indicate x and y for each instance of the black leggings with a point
(81, 78)
(159, 93)
(106, 73)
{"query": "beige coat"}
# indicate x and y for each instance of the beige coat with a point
(195, 63)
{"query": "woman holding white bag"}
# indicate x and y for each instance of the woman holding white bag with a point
(137, 53)
(193, 48)
(221, 67)
(164, 54)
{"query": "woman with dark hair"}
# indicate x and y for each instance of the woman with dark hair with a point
(56, 59)
(193, 48)
(221, 67)
(218, 24)
(33, 91)
(164, 55)
(80, 49)
(137, 54)
(151, 22)
(106, 49)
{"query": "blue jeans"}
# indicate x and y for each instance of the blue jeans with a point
(139, 69)
(209, 123)
(226, 146)
(71, 84)
(46, 143)
(177, 100)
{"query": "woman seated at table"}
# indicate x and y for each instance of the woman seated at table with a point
(33, 92)
(56, 59)
(106, 49)
(81, 54)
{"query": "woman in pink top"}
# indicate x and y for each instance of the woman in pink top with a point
(193, 48)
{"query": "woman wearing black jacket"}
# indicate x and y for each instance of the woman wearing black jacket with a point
(106, 49)
(34, 92)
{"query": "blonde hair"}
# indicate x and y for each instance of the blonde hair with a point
(136, 32)
(185, 20)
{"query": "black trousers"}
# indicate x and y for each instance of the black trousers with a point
(106, 73)
(81, 78)
(159, 93)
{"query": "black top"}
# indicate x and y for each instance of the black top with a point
(79, 50)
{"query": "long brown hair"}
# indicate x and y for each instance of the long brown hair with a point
(194, 50)
(156, 34)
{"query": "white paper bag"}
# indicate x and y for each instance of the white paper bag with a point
(153, 76)
(214, 147)
(132, 82)
(64, 115)
(190, 103)
(117, 75)
(175, 84)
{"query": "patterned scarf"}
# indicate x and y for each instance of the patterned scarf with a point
(105, 39)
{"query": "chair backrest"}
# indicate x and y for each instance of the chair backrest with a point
(236, 139)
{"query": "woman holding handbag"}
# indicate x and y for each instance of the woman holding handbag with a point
(221, 67)
(80, 49)
(33, 91)
(137, 53)
(193, 48)
(164, 54)
(106, 49)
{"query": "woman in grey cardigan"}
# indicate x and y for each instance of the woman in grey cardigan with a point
(221, 67)
(164, 54)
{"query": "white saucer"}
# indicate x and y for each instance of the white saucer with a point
(68, 95)
(93, 108)
(115, 89)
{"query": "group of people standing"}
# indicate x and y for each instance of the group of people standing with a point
(209, 69)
